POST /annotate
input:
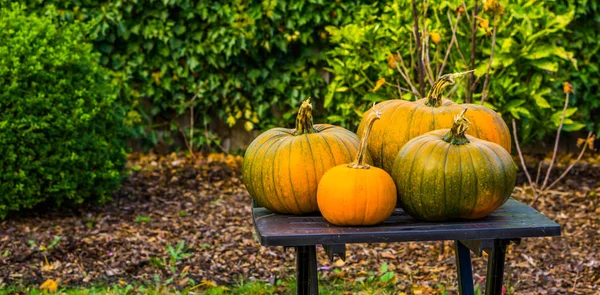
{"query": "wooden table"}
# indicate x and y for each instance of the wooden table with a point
(510, 223)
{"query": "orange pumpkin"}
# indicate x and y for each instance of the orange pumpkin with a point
(282, 167)
(357, 194)
(403, 120)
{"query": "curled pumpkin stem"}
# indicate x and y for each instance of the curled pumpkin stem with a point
(304, 120)
(359, 163)
(434, 96)
(456, 135)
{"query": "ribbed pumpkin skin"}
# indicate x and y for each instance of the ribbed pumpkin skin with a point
(281, 171)
(403, 120)
(439, 181)
(356, 197)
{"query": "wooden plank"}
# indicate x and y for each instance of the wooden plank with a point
(512, 221)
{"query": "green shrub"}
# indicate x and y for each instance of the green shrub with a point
(252, 62)
(61, 126)
(241, 60)
(531, 60)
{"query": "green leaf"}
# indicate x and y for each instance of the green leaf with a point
(541, 102)
(387, 277)
(573, 127)
(546, 65)
(557, 115)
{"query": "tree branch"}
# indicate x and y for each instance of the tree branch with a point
(514, 124)
(487, 72)
(405, 75)
(452, 39)
(469, 96)
(562, 120)
(585, 145)
(420, 67)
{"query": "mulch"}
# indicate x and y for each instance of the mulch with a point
(201, 201)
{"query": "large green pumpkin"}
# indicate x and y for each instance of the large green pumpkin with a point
(445, 175)
(282, 167)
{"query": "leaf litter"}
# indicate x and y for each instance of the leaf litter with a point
(185, 221)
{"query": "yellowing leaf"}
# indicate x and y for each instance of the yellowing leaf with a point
(230, 121)
(392, 60)
(435, 37)
(378, 84)
(248, 126)
(484, 23)
(208, 284)
(156, 77)
(49, 285)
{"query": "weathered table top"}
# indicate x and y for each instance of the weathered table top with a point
(511, 221)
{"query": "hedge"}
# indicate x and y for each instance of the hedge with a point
(251, 63)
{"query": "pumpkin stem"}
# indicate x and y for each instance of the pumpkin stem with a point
(359, 163)
(434, 96)
(304, 120)
(456, 135)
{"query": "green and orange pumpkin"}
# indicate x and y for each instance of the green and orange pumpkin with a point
(357, 194)
(445, 174)
(403, 120)
(282, 167)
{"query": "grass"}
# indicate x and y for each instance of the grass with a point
(377, 283)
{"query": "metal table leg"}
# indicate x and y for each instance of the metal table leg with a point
(464, 269)
(306, 270)
(495, 268)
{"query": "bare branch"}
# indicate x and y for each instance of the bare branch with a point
(405, 75)
(487, 72)
(465, 8)
(585, 145)
(537, 177)
(562, 120)
(533, 189)
(441, 69)
(420, 66)
(469, 96)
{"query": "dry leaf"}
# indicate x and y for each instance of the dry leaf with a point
(378, 84)
(50, 285)
(435, 37)
(568, 88)
(208, 284)
(392, 61)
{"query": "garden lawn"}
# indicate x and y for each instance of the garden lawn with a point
(184, 223)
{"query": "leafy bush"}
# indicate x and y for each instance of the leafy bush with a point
(531, 59)
(61, 126)
(251, 63)
(235, 61)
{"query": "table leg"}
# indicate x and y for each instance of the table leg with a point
(306, 271)
(464, 269)
(495, 268)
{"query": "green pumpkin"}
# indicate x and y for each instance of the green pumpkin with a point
(445, 175)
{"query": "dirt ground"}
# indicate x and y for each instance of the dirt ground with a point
(201, 201)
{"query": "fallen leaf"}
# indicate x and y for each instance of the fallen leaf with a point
(50, 285)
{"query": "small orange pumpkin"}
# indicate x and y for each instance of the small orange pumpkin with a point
(357, 194)
(404, 120)
(282, 167)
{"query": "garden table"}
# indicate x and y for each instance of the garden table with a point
(492, 234)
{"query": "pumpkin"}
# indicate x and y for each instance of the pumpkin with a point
(446, 175)
(403, 120)
(282, 167)
(357, 194)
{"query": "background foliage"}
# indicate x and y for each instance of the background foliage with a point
(532, 58)
(251, 63)
(61, 125)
